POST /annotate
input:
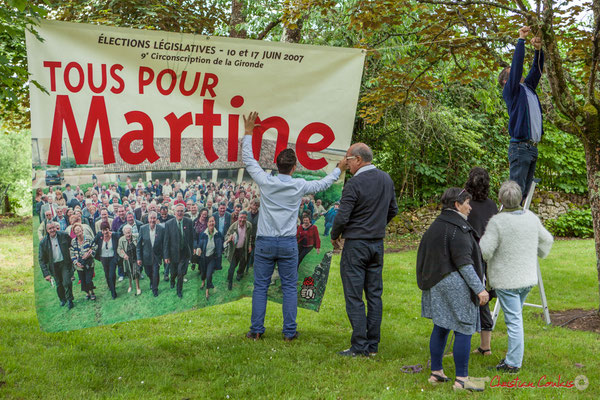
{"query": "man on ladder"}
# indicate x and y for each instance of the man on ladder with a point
(524, 111)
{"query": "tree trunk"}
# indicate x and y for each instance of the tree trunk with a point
(591, 144)
(293, 35)
(237, 17)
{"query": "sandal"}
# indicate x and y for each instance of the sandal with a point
(483, 352)
(412, 369)
(468, 385)
(437, 379)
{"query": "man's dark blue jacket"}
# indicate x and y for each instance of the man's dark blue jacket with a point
(515, 96)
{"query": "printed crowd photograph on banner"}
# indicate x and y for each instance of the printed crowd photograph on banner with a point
(134, 128)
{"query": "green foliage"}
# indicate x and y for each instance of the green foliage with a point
(575, 223)
(15, 168)
(68, 163)
(15, 16)
(426, 149)
(329, 196)
(561, 162)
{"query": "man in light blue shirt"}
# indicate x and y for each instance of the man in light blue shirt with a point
(280, 197)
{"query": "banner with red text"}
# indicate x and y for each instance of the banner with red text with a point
(127, 122)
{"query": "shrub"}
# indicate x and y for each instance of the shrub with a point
(575, 223)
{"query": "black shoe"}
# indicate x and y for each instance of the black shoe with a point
(230, 285)
(291, 338)
(172, 284)
(239, 277)
(88, 297)
(503, 366)
(254, 335)
(155, 293)
(166, 278)
(180, 295)
(193, 267)
(114, 295)
(62, 303)
(71, 305)
(349, 353)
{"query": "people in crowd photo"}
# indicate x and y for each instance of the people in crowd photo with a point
(239, 242)
(150, 250)
(107, 243)
(82, 251)
(55, 261)
(330, 217)
(307, 236)
(450, 275)
(210, 248)
(178, 246)
(513, 240)
(126, 249)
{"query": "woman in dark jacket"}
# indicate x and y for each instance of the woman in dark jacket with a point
(210, 248)
(200, 224)
(450, 274)
(107, 243)
(482, 209)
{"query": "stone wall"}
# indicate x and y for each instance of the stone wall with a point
(547, 205)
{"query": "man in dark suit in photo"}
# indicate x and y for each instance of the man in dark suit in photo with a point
(222, 218)
(368, 203)
(178, 246)
(55, 261)
(150, 250)
(77, 201)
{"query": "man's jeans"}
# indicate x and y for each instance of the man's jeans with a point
(284, 252)
(522, 158)
(511, 301)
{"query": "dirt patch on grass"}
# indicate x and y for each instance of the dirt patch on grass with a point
(7, 221)
(577, 319)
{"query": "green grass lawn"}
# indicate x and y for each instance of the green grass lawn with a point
(202, 353)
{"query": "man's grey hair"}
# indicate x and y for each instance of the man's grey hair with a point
(151, 213)
(127, 227)
(244, 212)
(363, 151)
(510, 194)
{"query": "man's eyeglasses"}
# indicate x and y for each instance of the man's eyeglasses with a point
(350, 158)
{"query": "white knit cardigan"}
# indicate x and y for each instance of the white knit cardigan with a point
(510, 246)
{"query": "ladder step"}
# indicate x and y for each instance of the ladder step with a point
(533, 305)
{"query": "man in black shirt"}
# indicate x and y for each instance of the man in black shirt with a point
(368, 203)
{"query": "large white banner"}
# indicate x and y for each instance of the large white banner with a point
(107, 83)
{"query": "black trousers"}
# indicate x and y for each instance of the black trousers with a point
(62, 273)
(86, 277)
(303, 252)
(109, 265)
(153, 272)
(361, 269)
(209, 264)
(239, 258)
(178, 271)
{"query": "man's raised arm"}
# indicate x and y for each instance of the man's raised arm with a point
(254, 169)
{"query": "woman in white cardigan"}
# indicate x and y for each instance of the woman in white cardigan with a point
(513, 240)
